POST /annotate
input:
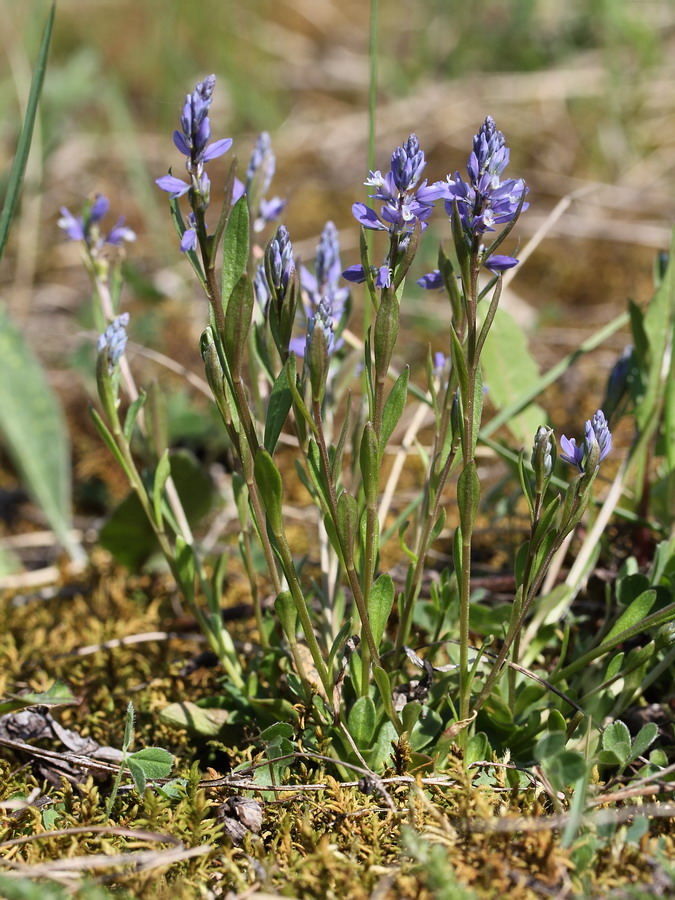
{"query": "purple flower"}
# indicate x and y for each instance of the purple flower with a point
(405, 200)
(485, 200)
(86, 227)
(120, 233)
(431, 281)
(597, 444)
(261, 288)
(357, 275)
(320, 327)
(193, 142)
(325, 282)
(498, 263)
(112, 343)
(258, 180)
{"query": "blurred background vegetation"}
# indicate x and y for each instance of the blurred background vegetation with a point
(584, 92)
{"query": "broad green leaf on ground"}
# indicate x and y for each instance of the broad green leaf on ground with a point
(33, 431)
(508, 369)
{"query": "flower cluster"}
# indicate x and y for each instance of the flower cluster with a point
(597, 444)
(325, 282)
(405, 200)
(322, 294)
(485, 200)
(193, 142)
(86, 227)
(259, 176)
(113, 342)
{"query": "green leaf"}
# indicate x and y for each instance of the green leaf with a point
(393, 408)
(287, 613)
(174, 789)
(149, 763)
(204, 722)
(550, 745)
(361, 722)
(369, 461)
(459, 364)
(410, 714)
(426, 729)
(235, 249)
(477, 749)
(268, 479)
(58, 694)
(643, 740)
(385, 332)
(638, 610)
(18, 169)
(382, 682)
(162, 473)
(347, 523)
(34, 432)
(128, 739)
(556, 721)
(566, 768)
(132, 415)
(278, 406)
(616, 739)
(509, 368)
(380, 602)
(238, 323)
(276, 731)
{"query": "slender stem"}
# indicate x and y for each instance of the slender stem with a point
(303, 613)
(422, 550)
(468, 520)
(347, 552)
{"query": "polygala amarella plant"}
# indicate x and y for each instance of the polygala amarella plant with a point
(279, 360)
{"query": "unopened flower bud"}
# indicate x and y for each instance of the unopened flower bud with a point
(542, 457)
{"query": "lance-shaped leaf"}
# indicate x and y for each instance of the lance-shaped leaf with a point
(235, 250)
(287, 611)
(162, 473)
(34, 433)
(237, 323)
(638, 610)
(393, 408)
(361, 722)
(380, 602)
(370, 465)
(268, 479)
(347, 524)
(447, 271)
(278, 406)
(385, 331)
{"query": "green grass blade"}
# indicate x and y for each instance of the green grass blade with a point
(23, 148)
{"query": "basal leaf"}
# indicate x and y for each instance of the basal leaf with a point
(33, 431)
